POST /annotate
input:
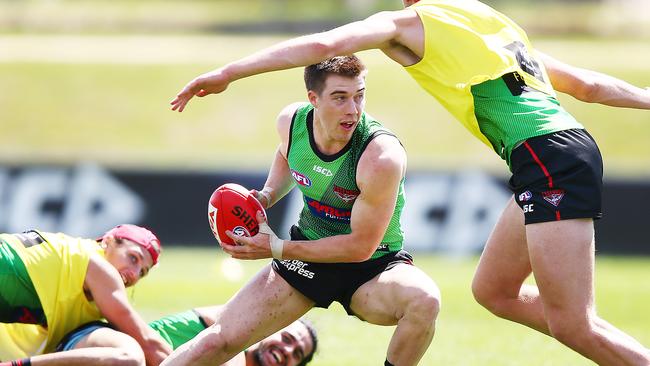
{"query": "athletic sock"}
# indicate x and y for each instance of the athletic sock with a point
(388, 363)
(23, 362)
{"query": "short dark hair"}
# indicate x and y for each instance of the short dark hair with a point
(314, 341)
(316, 74)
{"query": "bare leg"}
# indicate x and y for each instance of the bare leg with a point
(405, 296)
(562, 258)
(502, 270)
(103, 346)
(266, 304)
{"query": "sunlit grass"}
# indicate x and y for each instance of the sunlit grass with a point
(466, 334)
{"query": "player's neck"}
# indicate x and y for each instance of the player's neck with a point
(326, 144)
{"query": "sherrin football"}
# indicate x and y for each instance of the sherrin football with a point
(232, 207)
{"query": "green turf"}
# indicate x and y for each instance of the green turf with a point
(466, 334)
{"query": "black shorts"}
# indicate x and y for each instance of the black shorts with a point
(324, 283)
(558, 176)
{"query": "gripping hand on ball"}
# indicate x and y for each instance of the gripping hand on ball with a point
(263, 196)
(263, 245)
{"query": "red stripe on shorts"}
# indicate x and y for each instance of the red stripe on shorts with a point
(541, 165)
(545, 171)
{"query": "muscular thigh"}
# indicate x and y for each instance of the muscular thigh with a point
(107, 337)
(562, 256)
(265, 304)
(382, 300)
(504, 264)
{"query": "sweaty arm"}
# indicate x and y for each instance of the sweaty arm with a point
(594, 87)
(379, 172)
(107, 289)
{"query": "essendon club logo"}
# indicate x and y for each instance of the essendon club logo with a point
(346, 195)
(553, 196)
(301, 179)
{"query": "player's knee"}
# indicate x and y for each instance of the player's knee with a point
(484, 295)
(424, 308)
(492, 299)
(571, 330)
(128, 356)
(225, 342)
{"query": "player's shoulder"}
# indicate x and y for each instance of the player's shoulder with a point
(384, 152)
(394, 15)
(286, 116)
(287, 112)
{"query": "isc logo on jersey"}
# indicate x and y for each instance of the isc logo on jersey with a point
(324, 171)
(301, 179)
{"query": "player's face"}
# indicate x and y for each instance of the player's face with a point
(288, 347)
(339, 106)
(131, 260)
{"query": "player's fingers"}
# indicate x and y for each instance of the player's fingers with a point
(180, 101)
(261, 218)
(181, 105)
(239, 240)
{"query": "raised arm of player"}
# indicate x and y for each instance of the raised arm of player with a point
(108, 291)
(594, 87)
(384, 30)
(379, 172)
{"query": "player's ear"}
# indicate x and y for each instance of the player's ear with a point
(108, 240)
(312, 96)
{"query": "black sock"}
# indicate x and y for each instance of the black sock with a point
(388, 363)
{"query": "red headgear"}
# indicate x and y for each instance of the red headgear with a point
(138, 235)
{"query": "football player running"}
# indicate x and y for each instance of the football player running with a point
(347, 245)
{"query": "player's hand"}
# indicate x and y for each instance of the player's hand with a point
(263, 197)
(212, 82)
(256, 247)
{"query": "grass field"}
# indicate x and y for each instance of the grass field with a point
(105, 98)
(466, 334)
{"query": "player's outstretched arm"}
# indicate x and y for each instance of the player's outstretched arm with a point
(594, 87)
(376, 31)
(108, 291)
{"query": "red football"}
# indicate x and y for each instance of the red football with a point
(232, 207)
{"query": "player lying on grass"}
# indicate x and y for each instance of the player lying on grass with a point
(97, 343)
(483, 69)
(53, 283)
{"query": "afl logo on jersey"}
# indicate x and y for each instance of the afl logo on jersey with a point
(301, 179)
